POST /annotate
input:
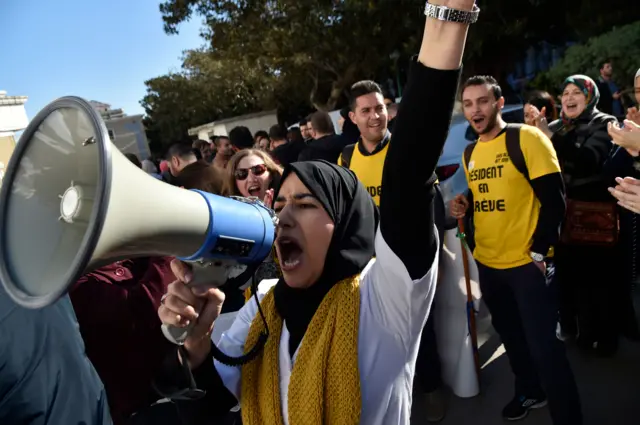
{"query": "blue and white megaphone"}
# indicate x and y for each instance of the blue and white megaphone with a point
(70, 202)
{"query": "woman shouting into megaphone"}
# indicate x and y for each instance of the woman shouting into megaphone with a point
(344, 326)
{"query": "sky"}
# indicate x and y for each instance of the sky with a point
(100, 50)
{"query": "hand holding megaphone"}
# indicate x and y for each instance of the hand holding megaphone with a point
(194, 307)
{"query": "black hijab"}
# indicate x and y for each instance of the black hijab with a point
(352, 246)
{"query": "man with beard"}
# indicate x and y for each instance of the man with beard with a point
(366, 157)
(517, 196)
(178, 156)
(224, 152)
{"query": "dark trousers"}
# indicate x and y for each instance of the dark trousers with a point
(523, 309)
(591, 293)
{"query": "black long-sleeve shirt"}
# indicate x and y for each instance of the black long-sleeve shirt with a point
(549, 190)
(420, 131)
(406, 212)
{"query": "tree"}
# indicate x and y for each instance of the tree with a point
(204, 90)
(291, 53)
(622, 45)
(169, 108)
(316, 47)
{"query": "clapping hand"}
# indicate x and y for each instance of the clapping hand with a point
(633, 115)
(627, 192)
(268, 198)
(540, 121)
(628, 136)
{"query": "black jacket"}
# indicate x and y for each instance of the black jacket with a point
(289, 152)
(45, 377)
(328, 148)
(583, 152)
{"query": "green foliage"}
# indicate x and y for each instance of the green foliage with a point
(314, 49)
(622, 45)
(203, 91)
(295, 54)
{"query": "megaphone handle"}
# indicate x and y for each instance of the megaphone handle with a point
(177, 335)
(212, 274)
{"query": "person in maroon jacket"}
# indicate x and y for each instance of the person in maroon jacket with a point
(116, 308)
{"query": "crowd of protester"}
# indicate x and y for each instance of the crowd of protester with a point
(544, 282)
(570, 158)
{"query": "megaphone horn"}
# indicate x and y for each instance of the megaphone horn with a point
(70, 202)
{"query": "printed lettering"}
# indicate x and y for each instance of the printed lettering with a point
(486, 173)
(488, 205)
(483, 188)
(374, 190)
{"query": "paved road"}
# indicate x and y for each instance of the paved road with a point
(610, 388)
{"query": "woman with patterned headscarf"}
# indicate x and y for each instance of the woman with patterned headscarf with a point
(585, 261)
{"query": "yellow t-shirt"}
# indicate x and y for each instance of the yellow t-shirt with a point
(505, 207)
(368, 169)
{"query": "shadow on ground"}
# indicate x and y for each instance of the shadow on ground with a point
(610, 388)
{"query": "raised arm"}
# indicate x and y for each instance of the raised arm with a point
(420, 131)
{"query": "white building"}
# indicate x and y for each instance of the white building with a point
(126, 131)
(254, 122)
(13, 118)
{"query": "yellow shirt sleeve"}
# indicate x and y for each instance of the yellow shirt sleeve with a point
(538, 152)
(340, 161)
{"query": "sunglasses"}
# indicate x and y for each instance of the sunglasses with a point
(256, 170)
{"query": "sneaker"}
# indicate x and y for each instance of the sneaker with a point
(519, 407)
(564, 335)
(434, 406)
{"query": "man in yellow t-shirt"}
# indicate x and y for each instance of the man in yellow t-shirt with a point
(516, 196)
(366, 158)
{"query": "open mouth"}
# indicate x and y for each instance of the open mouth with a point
(290, 253)
(254, 190)
(572, 107)
(478, 120)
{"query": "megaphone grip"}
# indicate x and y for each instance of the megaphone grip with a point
(177, 335)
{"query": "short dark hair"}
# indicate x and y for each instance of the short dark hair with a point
(362, 88)
(241, 138)
(199, 144)
(260, 134)
(218, 139)
(294, 135)
(277, 132)
(603, 62)
(134, 159)
(481, 80)
(542, 99)
(181, 150)
(309, 117)
(303, 122)
(201, 176)
(322, 123)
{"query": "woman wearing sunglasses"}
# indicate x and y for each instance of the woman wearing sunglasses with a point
(344, 327)
(252, 173)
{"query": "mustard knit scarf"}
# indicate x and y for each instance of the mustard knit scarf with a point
(325, 381)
